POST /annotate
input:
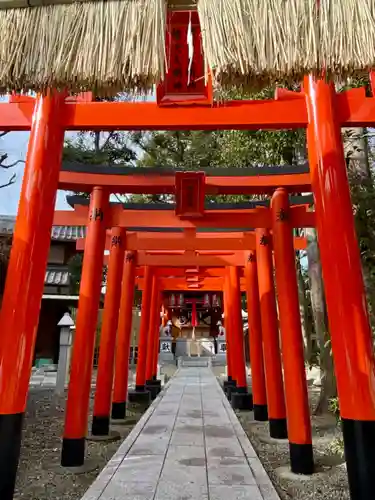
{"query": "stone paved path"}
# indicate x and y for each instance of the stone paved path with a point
(189, 445)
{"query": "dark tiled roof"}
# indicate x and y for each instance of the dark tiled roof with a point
(59, 233)
(68, 233)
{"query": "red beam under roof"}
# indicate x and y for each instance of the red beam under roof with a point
(353, 107)
(189, 259)
(202, 272)
(225, 219)
(183, 260)
(176, 284)
(178, 241)
(165, 184)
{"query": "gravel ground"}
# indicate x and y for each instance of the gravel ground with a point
(41, 449)
(330, 480)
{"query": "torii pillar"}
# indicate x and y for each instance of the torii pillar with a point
(120, 384)
(153, 334)
(240, 397)
(140, 394)
(25, 278)
(104, 380)
(230, 383)
(270, 332)
(343, 283)
(77, 406)
(255, 340)
(296, 397)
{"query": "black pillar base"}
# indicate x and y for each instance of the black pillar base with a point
(153, 389)
(241, 399)
(153, 381)
(118, 410)
(100, 426)
(230, 390)
(228, 383)
(359, 445)
(260, 413)
(140, 396)
(73, 452)
(278, 428)
(301, 458)
(10, 446)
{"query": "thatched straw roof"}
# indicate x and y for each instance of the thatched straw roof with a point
(111, 46)
(253, 43)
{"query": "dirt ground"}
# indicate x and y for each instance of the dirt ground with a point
(41, 450)
(329, 481)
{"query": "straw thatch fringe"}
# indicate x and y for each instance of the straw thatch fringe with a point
(119, 45)
(347, 39)
(102, 46)
(253, 43)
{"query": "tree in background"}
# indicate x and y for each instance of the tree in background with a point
(359, 155)
(100, 148)
(6, 166)
(96, 148)
(319, 312)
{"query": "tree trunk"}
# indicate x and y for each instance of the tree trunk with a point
(307, 327)
(97, 142)
(328, 381)
(362, 192)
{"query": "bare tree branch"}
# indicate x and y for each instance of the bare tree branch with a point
(110, 135)
(3, 158)
(118, 198)
(11, 165)
(11, 181)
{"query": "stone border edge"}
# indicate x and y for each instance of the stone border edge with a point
(263, 480)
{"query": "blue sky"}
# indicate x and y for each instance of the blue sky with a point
(15, 145)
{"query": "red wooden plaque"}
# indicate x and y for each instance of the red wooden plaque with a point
(190, 192)
(184, 81)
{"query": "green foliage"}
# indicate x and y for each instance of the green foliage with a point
(190, 150)
(194, 150)
(334, 408)
(75, 271)
(336, 446)
(100, 148)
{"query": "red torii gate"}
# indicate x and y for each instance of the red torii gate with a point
(83, 178)
(188, 241)
(319, 109)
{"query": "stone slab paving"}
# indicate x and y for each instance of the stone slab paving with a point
(189, 445)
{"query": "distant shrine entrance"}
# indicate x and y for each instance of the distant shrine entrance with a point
(196, 319)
